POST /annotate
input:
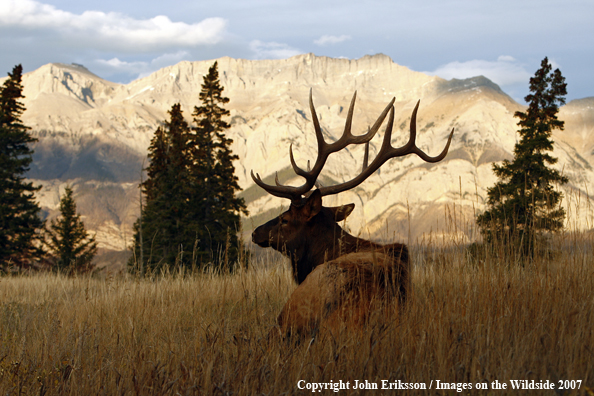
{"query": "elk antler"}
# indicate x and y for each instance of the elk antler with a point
(324, 150)
(386, 152)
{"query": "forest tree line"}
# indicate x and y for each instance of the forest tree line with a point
(190, 214)
(189, 208)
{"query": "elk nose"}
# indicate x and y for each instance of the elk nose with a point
(260, 238)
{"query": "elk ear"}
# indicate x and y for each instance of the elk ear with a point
(342, 212)
(313, 205)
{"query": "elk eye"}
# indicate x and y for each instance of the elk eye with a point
(284, 221)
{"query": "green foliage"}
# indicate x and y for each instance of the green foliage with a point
(72, 248)
(523, 204)
(191, 214)
(213, 169)
(19, 213)
(165, 219)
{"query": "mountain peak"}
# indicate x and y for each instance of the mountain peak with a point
(75, 67)
(584, 103)
(94, 134)
(456, 85)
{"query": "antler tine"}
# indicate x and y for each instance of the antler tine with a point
(316, 122)
(278, 191)
(349, 121)
(319, 136)
(366, 156)
(295, 193)
(386, 152)
(411, 147)
(347, 138)
(413, 136)
(413, 123)
(440, 156)
(324, 150)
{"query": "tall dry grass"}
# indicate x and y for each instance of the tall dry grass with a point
(470, 319)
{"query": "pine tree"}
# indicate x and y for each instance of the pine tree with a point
(166, 221)
(157, 169)
(214, 173)
(72, 247)
(191, 215)
(19, 213)
(523, 204)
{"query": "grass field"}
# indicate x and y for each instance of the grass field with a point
(469, 321)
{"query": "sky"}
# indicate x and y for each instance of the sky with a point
(122, 40)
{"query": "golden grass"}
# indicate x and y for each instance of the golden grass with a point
(468, 321)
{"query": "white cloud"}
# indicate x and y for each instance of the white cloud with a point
(122, 65)
(110, 30)
(272, 50)
(506, 58)
(327, 39)
(140, 68)
(505, 71)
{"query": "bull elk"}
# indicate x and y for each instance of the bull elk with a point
(339, 275)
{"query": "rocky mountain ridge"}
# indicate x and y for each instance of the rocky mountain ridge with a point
(94, 134)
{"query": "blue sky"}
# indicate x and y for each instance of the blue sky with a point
(123, 40)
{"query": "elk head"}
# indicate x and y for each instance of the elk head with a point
(288, 228)
(308, 232)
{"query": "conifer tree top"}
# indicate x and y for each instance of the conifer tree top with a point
(547, 93)
(524, 202)
(69, 241)
(12, 90)
(19, 211)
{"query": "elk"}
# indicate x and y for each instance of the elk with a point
(339, 275)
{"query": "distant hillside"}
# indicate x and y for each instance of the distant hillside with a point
(94, 134)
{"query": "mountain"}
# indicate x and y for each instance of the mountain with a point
(93, 134)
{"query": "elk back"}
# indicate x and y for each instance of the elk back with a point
(343, 292)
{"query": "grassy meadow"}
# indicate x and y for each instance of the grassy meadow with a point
(469, 320)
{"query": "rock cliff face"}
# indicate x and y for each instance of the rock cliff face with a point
(93, 134)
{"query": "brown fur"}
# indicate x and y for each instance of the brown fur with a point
(340, 276)
(341, 292)
(309, 235)
(323, 256)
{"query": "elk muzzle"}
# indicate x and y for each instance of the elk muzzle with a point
(260, 237)
(267, 234)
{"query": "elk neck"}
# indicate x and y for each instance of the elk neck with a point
(323, 241)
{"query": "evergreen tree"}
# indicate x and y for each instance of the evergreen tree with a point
(157, 169)
(166, 222)
(214, 173)
(191, 215)
(72, 248)
(19, 213)
(523, 204)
